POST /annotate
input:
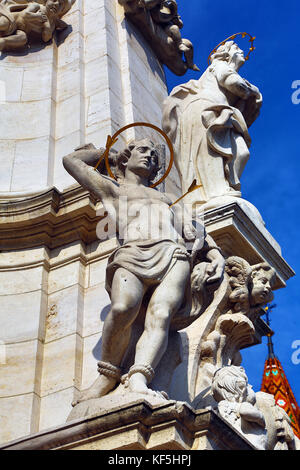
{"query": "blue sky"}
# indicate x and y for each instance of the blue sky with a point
(271, 178)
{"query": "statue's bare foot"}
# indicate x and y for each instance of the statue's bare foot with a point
(100, 387)
(138, 384)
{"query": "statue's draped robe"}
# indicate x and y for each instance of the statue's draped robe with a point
(148, 260)
(205, 130)
(151, 261)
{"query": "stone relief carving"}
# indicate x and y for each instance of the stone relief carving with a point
(207, 121)
(156, 285)
(160, 24)
(256, 416)
(246, 289)
(20, 18)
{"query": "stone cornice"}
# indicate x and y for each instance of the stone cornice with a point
(51, 219)
(188, 423)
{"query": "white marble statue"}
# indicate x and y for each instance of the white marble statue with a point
(20, 18)
(256, 416)
(147, 278)
(208, 120)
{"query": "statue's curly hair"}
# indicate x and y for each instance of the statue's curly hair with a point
(257, 268)
(124, 155)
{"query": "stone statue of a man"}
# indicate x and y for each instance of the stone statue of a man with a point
(207, 121)
(157, 269)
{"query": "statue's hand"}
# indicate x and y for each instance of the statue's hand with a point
(2, 44)
(190, 233)
(216, 268)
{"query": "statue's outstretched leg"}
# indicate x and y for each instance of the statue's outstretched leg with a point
(126, 297)
(165, 302)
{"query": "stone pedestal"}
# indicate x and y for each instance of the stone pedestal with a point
(239, 230)
(140, 426)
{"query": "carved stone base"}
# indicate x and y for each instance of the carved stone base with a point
(140, 426)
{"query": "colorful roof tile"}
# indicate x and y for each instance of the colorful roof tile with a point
(275, 382)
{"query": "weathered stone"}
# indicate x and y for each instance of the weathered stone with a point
(255, 416)
(140, 426)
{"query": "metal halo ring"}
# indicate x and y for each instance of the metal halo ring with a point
(111, 140)
(252, 38)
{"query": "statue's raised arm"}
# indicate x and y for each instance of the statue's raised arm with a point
(81, 165)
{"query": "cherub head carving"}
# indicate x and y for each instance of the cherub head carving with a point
(262, 282)
(231, 384)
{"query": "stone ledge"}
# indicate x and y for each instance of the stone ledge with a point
(239, 234)
(51, 219)
(139, 425)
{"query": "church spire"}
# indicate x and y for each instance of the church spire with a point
(275, 382)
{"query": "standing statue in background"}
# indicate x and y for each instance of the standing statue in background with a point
(207, 121)
(18, 19)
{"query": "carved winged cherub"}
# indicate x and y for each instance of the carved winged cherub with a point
(165, 14)
(160, 24)
(18, 19)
